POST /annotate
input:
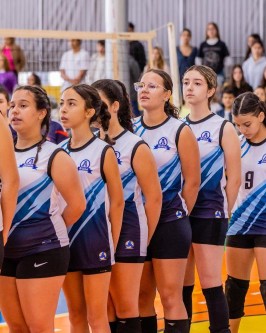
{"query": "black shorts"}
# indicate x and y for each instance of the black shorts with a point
(209, 231)
(1, 249)
(171, 240)
(246, 241)
(133, 260)
(39, 265)
(91, 271)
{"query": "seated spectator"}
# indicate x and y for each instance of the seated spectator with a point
(97, 64)
(8, 78)
(14, 55)
(186, 53)
(237, 81)
(253, 67)
(261, 93)
(215, 103)
(56, 132)
(228, 98)
(251, 39)
(136, 49)
(158, 61)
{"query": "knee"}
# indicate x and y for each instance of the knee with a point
(18, 328)
(263, 291)
(235, 292)
(147, 297)
(77, 315)
(171, 297)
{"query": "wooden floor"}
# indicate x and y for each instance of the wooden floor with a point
(253, 322)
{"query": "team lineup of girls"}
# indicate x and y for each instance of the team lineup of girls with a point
(124, 207)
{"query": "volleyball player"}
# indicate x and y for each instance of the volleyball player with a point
(219, 151)
(92, 244)
(8, 182)
(246, 237)
(37, 253)
(139, 175)
(176, 154)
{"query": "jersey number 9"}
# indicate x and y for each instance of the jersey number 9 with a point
(249, 179)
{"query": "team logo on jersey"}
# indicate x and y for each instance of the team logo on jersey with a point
(162, 143)
(179, 214)
(102, 256)
(218, 214)
(205, 136)
(117, 154)
(29, 163)
(263, 160)
(85, 166)
(129, 245)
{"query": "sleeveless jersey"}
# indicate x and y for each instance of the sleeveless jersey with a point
(37, 225)
(211, 201)
(134, 232)
(91, 244)
(249, 213)
(163, 141)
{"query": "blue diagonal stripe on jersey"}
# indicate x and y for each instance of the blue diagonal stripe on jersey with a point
(260, 207)
(128, 181)
(243, 144)
(212, 167)
(253, 200)
(246, 151)
(95, 197)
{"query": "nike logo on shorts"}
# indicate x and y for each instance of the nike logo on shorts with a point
(41, 264)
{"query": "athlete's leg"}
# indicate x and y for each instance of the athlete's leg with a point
(146, 299)
(208, 259)
(239, 263)
(10, 305)
(189, 284)
(38, 299)
(96, 289)
(74, 293)
(124, 288)
(260, 254)
(111, 314)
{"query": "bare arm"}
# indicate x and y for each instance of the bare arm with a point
(232, 153)
(148, 179)
(9, 177)
(115, 191)
(65, 177)
(190, 163)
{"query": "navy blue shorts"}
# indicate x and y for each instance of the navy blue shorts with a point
(246, 241)
(171, 240)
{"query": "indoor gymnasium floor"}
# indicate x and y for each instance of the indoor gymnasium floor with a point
(254, 322)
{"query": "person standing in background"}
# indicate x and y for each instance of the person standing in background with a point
(74, 64)
(136, 49)
(8, 78)
(14, 55)
(97, 64)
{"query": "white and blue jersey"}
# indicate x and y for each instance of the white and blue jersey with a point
(163, 141)
(37, 225)
(211, 201)
(91, 244)
(249, 213)
(134, 233)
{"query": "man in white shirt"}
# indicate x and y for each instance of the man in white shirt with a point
(74, 64)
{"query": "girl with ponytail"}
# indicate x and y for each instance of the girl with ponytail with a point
(139, 175)
(177, 157)
(37, 252)
(94, 238)
(246, 237)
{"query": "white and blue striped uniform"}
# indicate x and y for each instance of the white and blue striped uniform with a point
(163, 140)
(91, 244)
(211, 201)
(249, 213)
(134, 233)
(37, 225)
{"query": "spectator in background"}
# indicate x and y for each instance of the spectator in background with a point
(158, 61)
(186, 53)
(228, 98)
(97, 64)
(237, 81)
(261, 93)
(253, 67)
(251, 39)
(136, 49)
(74, 64)
(8, 78)
(134, 75)
(214, 53)
(56, 132)
(263, 80)
(14, 55)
